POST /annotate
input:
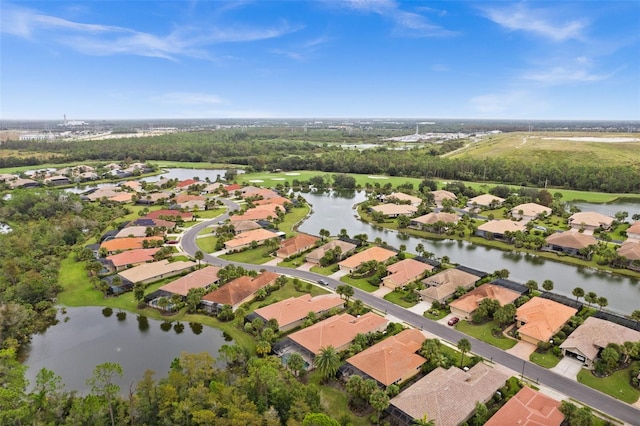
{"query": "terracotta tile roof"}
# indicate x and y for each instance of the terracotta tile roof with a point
(406, 271)
(294, 309)
(470, 301)
(134, 231)
(296, 244)
(630, 250)
(449, 396)
(401, 196)
(391, 359)
(337, 331)
(245, 238)
(131, 257)
(317, 254)
(502, 226)
(528, 408)
(595, 334)
(571, 239)
(186, 183)
(198, 279)
(183, 198)
(543, 318)
(133, 184)
(261, 192)
(186, 216)
(239, 289)
(432, 218)
(593, 219)
(530, 209)
(484, 200)
(126, 243)
(374, 253)
(233, 187)
(634, 228)
(258, 213)
(148, 271)
(280, 201)
(441, 194)
(123, 197)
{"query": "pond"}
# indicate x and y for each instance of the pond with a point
(184, 174)
(335, 211)
(89, 337)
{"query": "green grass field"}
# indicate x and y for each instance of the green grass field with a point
(210, 214)
(483, 332)
(207, 244)
(360, 283)
(327, 270)
(617, 385)
(292, 218)
(396, 297)
(256, 256)
(548, 360)
(287, 291)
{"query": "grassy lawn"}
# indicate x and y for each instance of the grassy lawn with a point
(190, 165)
(335, 402)
(207, 230)
(294, 216)
(210, 214)
(360, 283)
(256, 256)
(207, 244)
(617, 385)
(441, 314)
(287, 291)
(456, 355)
(293, 263)
(483, 332)
(548, 360)
(326, 270)
(396, 297)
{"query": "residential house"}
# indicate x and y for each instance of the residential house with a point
(291, 312)
(590, 221)
(262, 212)
(395, 210)
(403, 198)
(237, 292)
(22, 183)
(448, 397)
(57, 180)
(244, 225)
(132, 231)
(346, 248)
(130, 258)
(279, 201)
(153, 223)
(190, 202)
(630, 250)
(487, 201)
(185, 184)
(569, 242)
(465, 306)
(443, 285)
(232, 188)
(528, 408)
(337, 331)
(246, 239)
(496, 229)
(296, 245)
(6, 177)
(122, 198)
(429, 220)
(440, 195)
(134, 185)
(150, 272)
(405, 272)
(633, 232)
(105, 192)
(540, 319)
(121, 244)
(586, 341)
(202, 278)
(213, 187)
(391, 361)
(262, 193)
(151, 198)
(171, 215)
(378, 254)
(529, 211)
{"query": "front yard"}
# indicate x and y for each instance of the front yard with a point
(397, 297)
(325, 270)
(484, 332)
(616, 385)
(360, 283)
(546, 360)
(256, 256)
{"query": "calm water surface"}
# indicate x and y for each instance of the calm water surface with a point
(74, 347)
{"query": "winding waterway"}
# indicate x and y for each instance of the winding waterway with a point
(334, 211)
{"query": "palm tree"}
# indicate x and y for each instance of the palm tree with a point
(424, 422)
(263, 348)
(547, 285)
(327, 362)
(420, 248)
(348, 292)
(590, 298)
(199, 255)
(324, 234)
(295, 362)
(602, 302)
(464, 346)
(578, 292)
(379, 401)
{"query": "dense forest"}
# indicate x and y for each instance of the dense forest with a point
(263, 151)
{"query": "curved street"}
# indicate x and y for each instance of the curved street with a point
(547, 378)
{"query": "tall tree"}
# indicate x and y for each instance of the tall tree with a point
(578, 292)
(199, 255)
(327, 362)
(102, 384)
(464, 346)
(547, 285)
(379, 400)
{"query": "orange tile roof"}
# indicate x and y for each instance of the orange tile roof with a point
(239, 289)
(197, 279)
(470, 301)
(543, 318)
(528, 408)
(126, 243)
(186, 183)
(123, 197)
(245, 238)
(391, 359)
(294, 309)
(232, 187)
(132, 257)
(258, 213)
(296, 244)
(170, 213)
(183, 198)
(406, 271)
(571, 239)
(337, 331)
(280, 201)
(374, 253)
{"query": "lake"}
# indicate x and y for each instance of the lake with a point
(73, 347)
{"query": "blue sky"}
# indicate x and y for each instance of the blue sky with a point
(336, 58)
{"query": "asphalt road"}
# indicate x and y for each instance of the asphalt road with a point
(564, 385)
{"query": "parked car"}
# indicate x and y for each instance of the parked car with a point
(323, 282)
(453, 321)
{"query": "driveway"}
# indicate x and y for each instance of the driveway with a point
(306, 266)
(339, 274)
(420, 307)
(568, 367)
(382, 292)
(522, 350)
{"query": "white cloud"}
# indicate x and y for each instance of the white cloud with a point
(188, 98)
(514, 103)
(542, 22)
(559, 75)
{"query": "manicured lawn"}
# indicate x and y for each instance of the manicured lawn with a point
(617, 385)
(190, 165)
(455, 355)
(548, 360)
(360, 283)
(256, 256)
(207, 230)
(396, 297)
(326, 270)
(483, 332)
(294, 216)
(207, 244)
(441, 314)
(292, 263)
(210, 214)
(287, 291)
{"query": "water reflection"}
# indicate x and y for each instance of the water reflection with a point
(107, 312)
(143, 323)
(195, 327)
